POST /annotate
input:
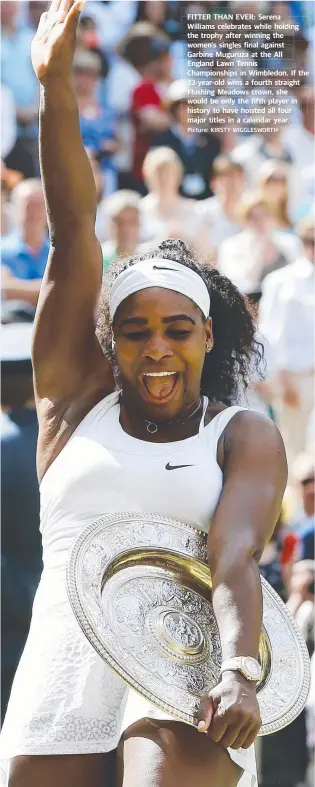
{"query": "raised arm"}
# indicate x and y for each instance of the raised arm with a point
(68, 361)
(255, 475)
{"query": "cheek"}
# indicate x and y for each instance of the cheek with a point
(127, 357)
(194, 355)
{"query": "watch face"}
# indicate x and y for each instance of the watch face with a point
(253, 667)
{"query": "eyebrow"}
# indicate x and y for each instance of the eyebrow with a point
(166, 320)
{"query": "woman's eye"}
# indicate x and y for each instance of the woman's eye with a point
(179, 334)
(136, 335)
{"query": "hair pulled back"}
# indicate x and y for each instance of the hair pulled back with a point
(236, 355)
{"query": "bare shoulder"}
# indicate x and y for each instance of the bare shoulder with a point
(251, 428)
(249, 438)
(253, 446)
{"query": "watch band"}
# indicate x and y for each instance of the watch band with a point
(247, 665)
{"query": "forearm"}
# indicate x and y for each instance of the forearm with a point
(20, 290)
(66, 171)
(237, 604)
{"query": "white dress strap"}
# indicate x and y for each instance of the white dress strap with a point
(204, 410)
(216, 427)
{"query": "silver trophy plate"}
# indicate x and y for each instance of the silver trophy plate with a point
(140, 588)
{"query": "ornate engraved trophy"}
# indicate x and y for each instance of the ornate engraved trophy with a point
(140, 588)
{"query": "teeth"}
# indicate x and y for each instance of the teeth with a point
(159, 374)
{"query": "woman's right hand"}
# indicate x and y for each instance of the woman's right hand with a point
(54, 43)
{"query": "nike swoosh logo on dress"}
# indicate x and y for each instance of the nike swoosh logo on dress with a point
(176, 467)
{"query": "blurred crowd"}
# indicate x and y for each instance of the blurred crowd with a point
(244, 202)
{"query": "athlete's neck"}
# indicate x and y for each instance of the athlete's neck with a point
(139, 424)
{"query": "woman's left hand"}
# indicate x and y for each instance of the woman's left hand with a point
(230, 715)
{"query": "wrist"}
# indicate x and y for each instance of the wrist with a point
(235, 676)
(58, 90)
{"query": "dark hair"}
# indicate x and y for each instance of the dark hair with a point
(143, 44)
(236, 354)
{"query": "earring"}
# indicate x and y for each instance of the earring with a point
(113, 345)
(208, 348)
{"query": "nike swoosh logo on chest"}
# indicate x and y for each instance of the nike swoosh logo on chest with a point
(176, 467)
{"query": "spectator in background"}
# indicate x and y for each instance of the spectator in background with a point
(88, 40)
(298, 139)
(274, 187)
(24, 252)
(87, 34)
(18, 75)
(221, 212)
(14, 157)
(112, 19)
(270, 562)
(253, 152)
(101, 228)
(122, 80)
(287, 322)
(35, 9)
(97, 120)
(301, 599)
(284, 755)
(305, 192)
(303, 471)
(8, 122)
(122, 209)
(149, 52)
(291, 144)
(154, 11)
(8, 218)
(249, 256)
(165, 16)
(21, 561)
(196, 151)
(310, 433)
(164, 212)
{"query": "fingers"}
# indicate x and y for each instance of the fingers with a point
(43, 22)
(231, 730)
(250, 739)
(75, 11)
(54, 6)
(241, 737)
(219, 724)
(231, 735)
(65, 6)
(205, 714)
(246, 737)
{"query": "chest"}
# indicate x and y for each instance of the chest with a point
(93, 480)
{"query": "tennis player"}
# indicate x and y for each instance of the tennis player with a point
(137, 406)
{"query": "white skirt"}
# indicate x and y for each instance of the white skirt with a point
(65, 700)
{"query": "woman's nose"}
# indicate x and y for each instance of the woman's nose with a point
(157, 348)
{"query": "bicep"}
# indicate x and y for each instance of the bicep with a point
(255, 476)
(65, 347)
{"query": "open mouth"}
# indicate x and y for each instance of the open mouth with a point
(160, 385)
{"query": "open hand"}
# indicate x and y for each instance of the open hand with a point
(230, 715)
(54, 43)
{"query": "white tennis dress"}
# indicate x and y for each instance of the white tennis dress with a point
(65, 700)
